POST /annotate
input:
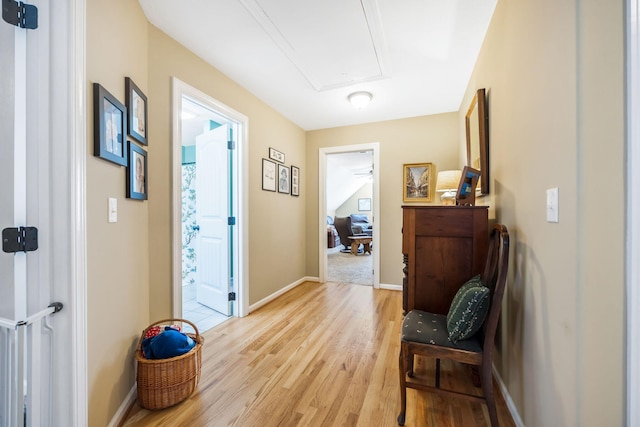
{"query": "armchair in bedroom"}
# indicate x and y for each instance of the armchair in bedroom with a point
(343, 227)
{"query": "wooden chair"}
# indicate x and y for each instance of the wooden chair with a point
(434, 341)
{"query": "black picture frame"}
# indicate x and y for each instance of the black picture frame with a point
(137, 177)
(136, 102)
(295, 181)
(109, 123)
(284, 179)
(268, 175)
(276, 155)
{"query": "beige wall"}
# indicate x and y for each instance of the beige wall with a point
(421, 139)
(129, 264)
(554, 78)
(117, 256)
(276, 221)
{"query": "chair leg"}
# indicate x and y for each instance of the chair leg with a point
(487, 389)
(403, 368)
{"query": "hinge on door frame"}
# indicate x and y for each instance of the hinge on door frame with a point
(20, 14)
(232, 296)
(231, 145)
(20, 239)
(231, 220)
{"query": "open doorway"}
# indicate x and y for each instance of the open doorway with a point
(349, 204)
(208, 251)
(349, 189)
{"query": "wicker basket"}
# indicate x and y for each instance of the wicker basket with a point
(167, 382)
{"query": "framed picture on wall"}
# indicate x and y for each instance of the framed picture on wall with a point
(137, 173)
(295, 181)
(109, 122)
(137, 108)
(417, 182)
(284, 181)
(268, 175)
(276, 155)
(364, 204)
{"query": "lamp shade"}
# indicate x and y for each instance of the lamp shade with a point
(448, 180)
(360, 99)
(447, 184)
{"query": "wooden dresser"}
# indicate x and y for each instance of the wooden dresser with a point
(442, 247)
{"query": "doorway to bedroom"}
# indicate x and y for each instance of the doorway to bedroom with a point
(348, 204)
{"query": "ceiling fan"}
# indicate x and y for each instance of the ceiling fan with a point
(365, 171)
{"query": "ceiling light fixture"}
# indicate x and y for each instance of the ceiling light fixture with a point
(360, 99)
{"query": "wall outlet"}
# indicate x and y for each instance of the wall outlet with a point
(552, 205)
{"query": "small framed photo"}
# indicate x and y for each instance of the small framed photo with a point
(466, 195)
(364, 204)
(109, 117)
(276, 155)
(295, 180)
(137, 173)
(137, 108)
(417, 182)
(283, 179)
(268, 175)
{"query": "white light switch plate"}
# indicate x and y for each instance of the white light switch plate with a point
(552, 205)
(113, 209)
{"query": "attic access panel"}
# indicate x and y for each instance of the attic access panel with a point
(333, 43)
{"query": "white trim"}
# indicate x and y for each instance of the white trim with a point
(78, 154)
(507, 399)
(280, 292)
(121, 413)
(180, 89)
(390, 287)
(322, 204)
(632, 257)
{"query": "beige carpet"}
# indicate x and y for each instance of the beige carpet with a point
(347, 268)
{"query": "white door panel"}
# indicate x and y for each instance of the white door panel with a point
(212, 211)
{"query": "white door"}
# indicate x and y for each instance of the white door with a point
(212, 213)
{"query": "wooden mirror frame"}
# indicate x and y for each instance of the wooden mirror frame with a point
(478, 133)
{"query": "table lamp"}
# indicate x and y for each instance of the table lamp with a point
(447, 184)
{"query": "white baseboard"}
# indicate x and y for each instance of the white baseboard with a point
(254, 307)
(391, 287)
(507, 398)
(118, 417)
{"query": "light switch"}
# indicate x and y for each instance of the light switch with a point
(552, 205)
(113, 209)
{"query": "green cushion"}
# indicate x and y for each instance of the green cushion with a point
(468, 310)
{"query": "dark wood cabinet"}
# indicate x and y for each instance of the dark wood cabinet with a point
(443, 247)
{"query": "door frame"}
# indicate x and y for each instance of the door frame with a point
(322, 204)
(240, 199)
(632, 17)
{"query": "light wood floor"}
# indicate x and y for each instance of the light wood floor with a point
(320, 355)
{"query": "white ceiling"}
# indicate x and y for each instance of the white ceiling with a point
(303, 57)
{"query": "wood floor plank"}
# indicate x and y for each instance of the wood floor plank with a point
(319, 355)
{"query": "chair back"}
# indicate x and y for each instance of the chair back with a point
(343, 227)
(494, 277)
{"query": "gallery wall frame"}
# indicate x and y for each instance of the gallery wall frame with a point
(295, 181)
(136, 102)
(109, 126)
(268, 175)
(284, 179)
(276, 155)
(137, 173)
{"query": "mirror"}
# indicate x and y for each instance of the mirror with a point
(477, 124)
